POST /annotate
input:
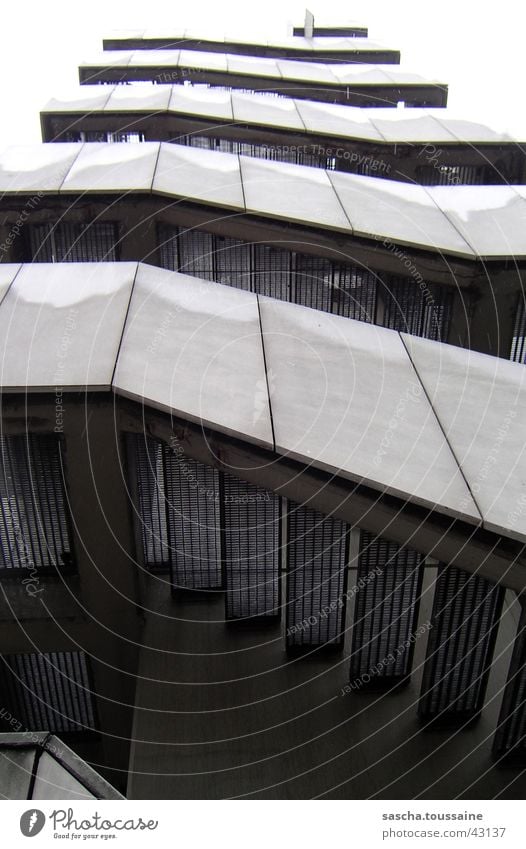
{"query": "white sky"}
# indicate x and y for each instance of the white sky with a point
(479, 48)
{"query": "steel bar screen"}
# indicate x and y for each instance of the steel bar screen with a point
(252, 550)
(455, 175)
(518, 342)
(192, 491)
(272, 272)
(388, 586)
(466, 612)
(317, 556)
(315, 155)
(103, 136)
(146, 461)
(178, 507)
(188, 251)
(354, 292)
(296, 154)
(313, 283)
(510, 738)
(233, 263)
(418, 308)
(34, 526)
(49, 692)
(67, 242)
(196, 254)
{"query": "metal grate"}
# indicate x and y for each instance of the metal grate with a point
(272, 272)
(67, 242)
(169, 240)
(466, 612)
(354, 292)
(313, 283)
(316, 156)
(69, 136)
(49, 692)
(295, 154)
(146, 462)
(338, 288)
(192, 491)
(133, 137)
(510, 738)
(178, 507)
(456, 175)
(252, 550)
(228, 88)
(518, 342)
(317, 556)
(233, 262)
(188, 251)
(389, 582)
(196, 254)
(34, 525)
(421, 309)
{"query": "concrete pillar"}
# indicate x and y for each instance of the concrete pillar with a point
(138, 242)
(494, 312)
(104, 548)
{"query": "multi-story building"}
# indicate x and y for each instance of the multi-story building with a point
(263, 493)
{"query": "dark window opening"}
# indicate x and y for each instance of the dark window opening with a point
(130, 137)
(178, 514)
(34, 520)
(388, 587)
(456, 175)
(49, 692)
(252, 550)
(192, 491)
(518, 342)
(338, 288)
(67, 242)
(210, 530)
(466, 613)
(295, 154)
(317, 558)
(418, 308)
(273, 272)
(510, 738)
(411, 305)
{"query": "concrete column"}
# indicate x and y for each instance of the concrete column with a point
(138, 231)
(104, 548)
(494, 312)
